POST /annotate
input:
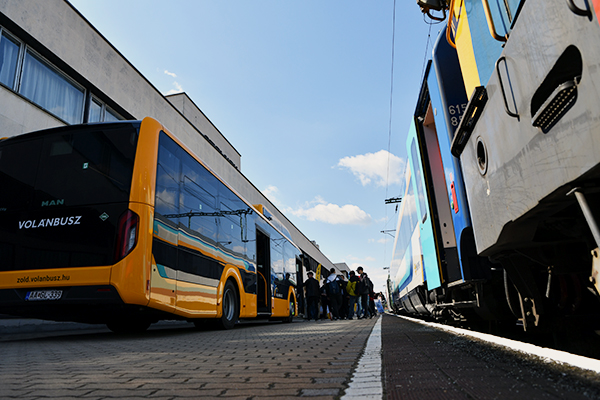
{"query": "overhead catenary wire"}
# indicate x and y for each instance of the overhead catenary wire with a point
(391, 102)
(387, 178)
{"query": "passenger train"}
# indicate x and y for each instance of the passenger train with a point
(499, 216)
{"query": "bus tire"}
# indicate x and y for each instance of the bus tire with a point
(231, 307)
(290, 318)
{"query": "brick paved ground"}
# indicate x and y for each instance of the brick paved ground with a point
(421, 362)
(252, 361)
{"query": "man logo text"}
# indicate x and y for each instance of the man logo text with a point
(60, 202)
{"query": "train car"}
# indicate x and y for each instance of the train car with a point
(435, 270)
(528, 146)
(120, 223)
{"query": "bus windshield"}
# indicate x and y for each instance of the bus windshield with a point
(83, 166)
(63, 191)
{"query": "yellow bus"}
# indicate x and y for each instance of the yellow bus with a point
(121, 224)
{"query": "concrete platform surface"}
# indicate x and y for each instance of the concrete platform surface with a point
(421, 362)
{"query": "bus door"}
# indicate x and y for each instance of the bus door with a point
(263, 271)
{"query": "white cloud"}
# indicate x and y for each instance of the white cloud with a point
(178, 89)
(381, 167)
(334, 214)
(355, 265)
(271, 193)
(270, 190)
(383, 240)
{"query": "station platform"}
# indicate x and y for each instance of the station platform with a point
(386, 357)
(420, 361)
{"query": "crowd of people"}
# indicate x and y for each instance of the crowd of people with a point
(341, 296)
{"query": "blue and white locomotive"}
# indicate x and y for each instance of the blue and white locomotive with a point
(500, 212)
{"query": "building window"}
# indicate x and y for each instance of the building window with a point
(9, 56)
(111, 116)
(29, 74)
(51, 90)
(95, 112)
(100, 112)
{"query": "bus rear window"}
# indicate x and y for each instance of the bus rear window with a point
(71, 166)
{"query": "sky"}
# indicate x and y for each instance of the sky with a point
(304, 91)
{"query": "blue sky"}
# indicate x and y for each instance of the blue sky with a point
(302, 90)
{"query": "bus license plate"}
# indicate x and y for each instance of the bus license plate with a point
(36, 295)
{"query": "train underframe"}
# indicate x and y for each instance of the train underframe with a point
(542, 274)
(551, 259)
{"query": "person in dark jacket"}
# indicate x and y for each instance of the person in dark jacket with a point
(313, 293)
(334, 294)
(364, 290)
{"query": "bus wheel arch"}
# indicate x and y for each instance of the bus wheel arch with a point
(230, 305)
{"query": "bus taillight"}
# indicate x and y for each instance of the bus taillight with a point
(126, 234)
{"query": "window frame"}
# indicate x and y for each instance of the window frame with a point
(104, 110)
(88, 96)
(44, 61)
(19, 66)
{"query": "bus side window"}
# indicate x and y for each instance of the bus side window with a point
(167, 183)
(199, 195)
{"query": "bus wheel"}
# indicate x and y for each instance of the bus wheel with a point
(231, 307)
(129, 326)
(292, 311)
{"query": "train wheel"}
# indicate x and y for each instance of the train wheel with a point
(231, 307)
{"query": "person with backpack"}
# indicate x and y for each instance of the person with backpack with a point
(352, 289)
(334, 294)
